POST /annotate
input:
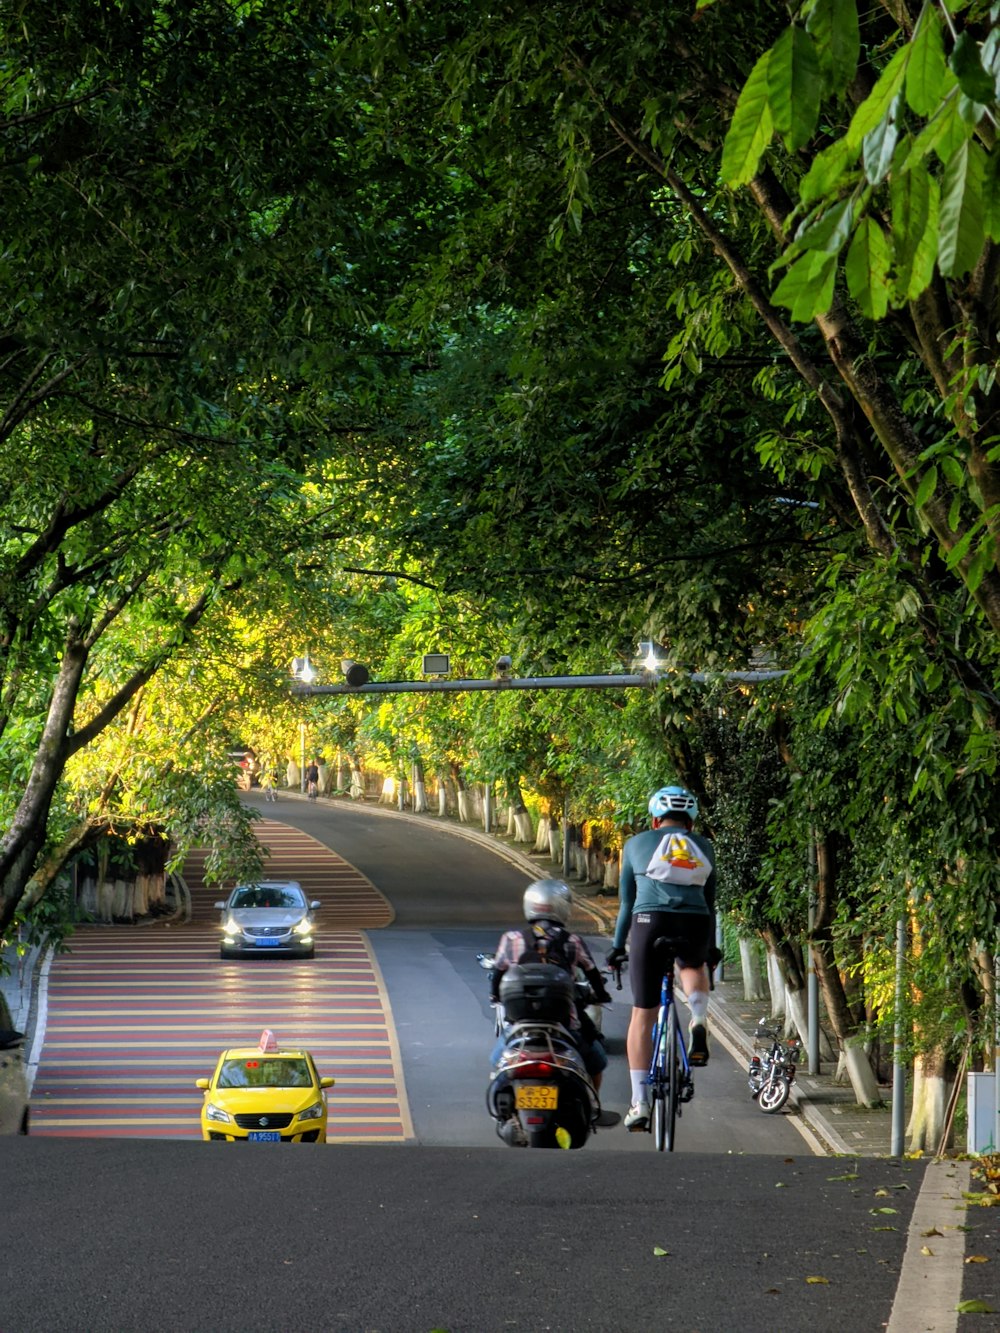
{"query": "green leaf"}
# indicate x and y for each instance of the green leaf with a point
(867, 268)
(807, 287)
(960, 225)
(991, 197)
(879, 101)
(659, 1252)
(927, 69)
(750, 130)
(827, 171)
(834, 26)
(793, 86)
(915, 204)
(828, 231)
(952, 469)
(974, 1307)
(968, 69)
(927, 487)
(880, 144)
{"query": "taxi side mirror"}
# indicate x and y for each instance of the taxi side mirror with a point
(315, 906)
(325, 1082)
(202, 1083)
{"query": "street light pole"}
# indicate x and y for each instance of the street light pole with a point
(302, 756)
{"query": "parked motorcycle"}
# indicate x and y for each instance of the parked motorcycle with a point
(539, 1094)
(772, 1070)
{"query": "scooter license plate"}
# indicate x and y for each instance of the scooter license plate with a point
(536, 1097)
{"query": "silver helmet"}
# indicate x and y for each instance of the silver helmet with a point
(548, 900)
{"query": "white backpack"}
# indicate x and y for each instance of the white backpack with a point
(679, 860)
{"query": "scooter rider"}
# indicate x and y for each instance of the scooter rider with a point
(547, 904)
(651, 907)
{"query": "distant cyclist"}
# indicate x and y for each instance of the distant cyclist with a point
(312, 780)
(660, 894)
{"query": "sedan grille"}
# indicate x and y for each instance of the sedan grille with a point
(259, 1121)
(266, 930)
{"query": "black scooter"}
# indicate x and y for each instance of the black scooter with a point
(539, 1094)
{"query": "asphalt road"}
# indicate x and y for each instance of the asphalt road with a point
(127, 1236)
(741, 1229)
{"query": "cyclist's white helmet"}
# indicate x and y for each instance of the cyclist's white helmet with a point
(548, 900)
(673, 801)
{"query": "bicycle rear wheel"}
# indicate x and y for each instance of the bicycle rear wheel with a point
(672, 1084)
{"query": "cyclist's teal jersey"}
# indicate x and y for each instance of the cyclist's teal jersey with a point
(638, 893)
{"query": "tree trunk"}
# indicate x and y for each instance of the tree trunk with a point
(357, 781)
(776, 985)
(612, 869)
(419, 788)
(753, 977)
(930, 1102)
(543, 835)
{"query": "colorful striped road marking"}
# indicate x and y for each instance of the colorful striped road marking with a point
(135, 1015)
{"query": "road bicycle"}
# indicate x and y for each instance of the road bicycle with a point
(669, 1078)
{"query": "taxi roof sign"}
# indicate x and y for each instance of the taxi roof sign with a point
(268, 1041)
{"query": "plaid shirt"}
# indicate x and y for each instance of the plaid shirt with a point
(512, 946)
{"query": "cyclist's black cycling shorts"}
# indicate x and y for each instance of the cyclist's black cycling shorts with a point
(645, 970)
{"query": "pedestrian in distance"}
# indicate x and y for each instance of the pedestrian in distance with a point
(666, 888)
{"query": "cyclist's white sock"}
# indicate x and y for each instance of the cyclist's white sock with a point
(640, 1088)
(698, 1004)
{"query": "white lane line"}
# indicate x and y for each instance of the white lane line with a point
(930, 1285)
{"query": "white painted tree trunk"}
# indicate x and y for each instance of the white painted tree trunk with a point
(419, 798)
(542, 834)
(612, 868)
(776, 985)
(579, 860)
(524, 830)
(555, 844)
(388, 796)
(753, 977)
(402, 794)
(930, 1103)
(863, 1081)
(357, 784)
(464, 806)
(511, 822)
(293, 775)
(323, 781)
(342, 775)
(442, 799)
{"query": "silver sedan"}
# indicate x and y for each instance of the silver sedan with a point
(272, 917)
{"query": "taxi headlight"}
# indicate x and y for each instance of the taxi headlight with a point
(314, 1112)
(213, 1112)
(303, 927)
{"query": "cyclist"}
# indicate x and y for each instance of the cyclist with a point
(546, 905)
(312, 780)
(652, 906)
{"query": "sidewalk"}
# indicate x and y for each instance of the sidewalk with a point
(828, 1108)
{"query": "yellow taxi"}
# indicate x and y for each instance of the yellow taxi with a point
(265, 1094)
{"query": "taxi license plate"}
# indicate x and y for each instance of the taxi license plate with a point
(264, 1136)
(268, 943)
(529, 1097)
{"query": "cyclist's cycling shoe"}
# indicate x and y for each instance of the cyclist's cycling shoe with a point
(637, 1117)
(698, 1045)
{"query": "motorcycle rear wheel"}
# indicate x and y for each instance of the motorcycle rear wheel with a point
(773, 1095)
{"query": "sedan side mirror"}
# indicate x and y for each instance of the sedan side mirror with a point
(315, 905)
(220, 907)
(202, 1083)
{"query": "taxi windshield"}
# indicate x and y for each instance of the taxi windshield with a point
(274, 1071)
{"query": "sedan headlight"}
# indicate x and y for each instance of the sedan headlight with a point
(213, 1112)
(303, 927)
(314, 1112)
(232, 929)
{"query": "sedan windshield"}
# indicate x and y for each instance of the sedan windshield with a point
(266, 1072)
(266, 897)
